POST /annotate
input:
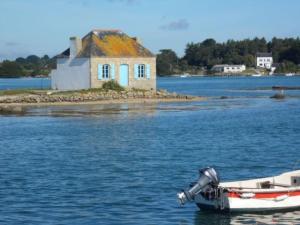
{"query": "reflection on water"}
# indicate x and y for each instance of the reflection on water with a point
(211, 218)
(138, 109)
(107, 110)
(150, 109)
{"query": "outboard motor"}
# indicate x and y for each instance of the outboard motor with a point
(208, 179)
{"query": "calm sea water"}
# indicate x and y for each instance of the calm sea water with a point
(23, 83)
(124, 163)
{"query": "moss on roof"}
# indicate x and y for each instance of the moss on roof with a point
(109, 43)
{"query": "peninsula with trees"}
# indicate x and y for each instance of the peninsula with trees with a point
(200, 58)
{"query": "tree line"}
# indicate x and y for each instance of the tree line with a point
(198, 57)
(203, 55)
(30, 66)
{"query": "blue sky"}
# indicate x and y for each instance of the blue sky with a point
(44, 26)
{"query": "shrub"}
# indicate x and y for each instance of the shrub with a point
(112, 85)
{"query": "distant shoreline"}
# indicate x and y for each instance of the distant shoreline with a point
(22, 77)
(224, 75)
(173, 75)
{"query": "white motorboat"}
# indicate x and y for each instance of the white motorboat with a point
(263, 194)
(256, 75)
(289, 74)
(185, 75)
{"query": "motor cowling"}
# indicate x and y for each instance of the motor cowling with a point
(208, 179)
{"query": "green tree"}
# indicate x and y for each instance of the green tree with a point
(291, 54)
(286, 67)
(10, 69)
(167, 62)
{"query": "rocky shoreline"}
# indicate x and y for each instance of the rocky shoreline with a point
(16, 103)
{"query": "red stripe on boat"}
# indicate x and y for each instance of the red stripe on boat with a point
(265, 195)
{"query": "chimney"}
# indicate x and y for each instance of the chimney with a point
(75, 46)
(138, 40)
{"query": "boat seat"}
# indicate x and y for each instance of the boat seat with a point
(264, 185)
(295, 181)
(269, 185)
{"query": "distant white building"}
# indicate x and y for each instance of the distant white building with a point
(264, 60)
(225, 68)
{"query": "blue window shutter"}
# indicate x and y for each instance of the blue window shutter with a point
(100, 72)
(112, 71)
(148, 72)
(136, 71)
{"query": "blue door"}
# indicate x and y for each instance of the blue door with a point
(124, 72)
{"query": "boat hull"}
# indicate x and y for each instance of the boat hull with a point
(262, 202)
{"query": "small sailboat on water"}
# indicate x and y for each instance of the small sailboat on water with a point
(263, 194)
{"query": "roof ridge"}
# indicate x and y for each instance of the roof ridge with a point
(107, 30)
(110, 43)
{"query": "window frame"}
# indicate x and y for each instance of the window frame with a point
(106, 70)
(141, 71)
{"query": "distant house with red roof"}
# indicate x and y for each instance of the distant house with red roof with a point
(104, 55)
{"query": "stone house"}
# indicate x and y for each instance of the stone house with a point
(104, 55)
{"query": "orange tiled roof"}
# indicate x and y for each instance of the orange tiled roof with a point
(110, 43)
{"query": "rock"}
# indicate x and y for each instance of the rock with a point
(189, 97)
(163, 91)
(130, 94)
(223, 97)
(7, 109)
(92, 96)
(278, 96)
(174, 95)
(286, 87)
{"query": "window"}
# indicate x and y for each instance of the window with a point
(141, 71)
(106, 71)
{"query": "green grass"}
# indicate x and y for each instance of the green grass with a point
(20, 92)
(249, 71)
(139, 89)
(112, 85)
(109, 85)
(83, 91)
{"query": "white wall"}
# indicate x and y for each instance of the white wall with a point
(71, 74)
(234, 68)
(229, 68)
(264, 62)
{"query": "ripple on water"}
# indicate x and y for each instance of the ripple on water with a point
(124, 164)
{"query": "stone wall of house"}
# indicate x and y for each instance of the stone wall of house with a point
(141, 83)
(71, 74)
